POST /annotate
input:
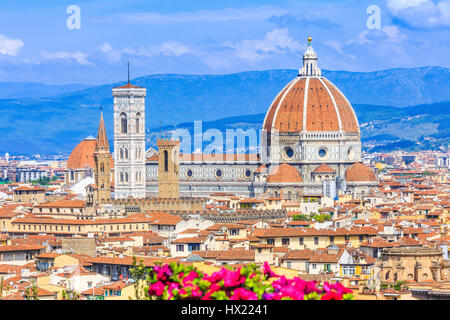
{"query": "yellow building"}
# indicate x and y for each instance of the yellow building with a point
(310, 238)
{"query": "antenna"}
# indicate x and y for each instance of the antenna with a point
(128, 72)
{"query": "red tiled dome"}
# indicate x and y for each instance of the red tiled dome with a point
(358, 172)
(83, 155)
(284, 173)
(324, 168)
(324, 108)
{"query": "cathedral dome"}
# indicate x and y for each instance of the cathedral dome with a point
(310, 102)
(358, 172)
(83, 154)
(284, 173)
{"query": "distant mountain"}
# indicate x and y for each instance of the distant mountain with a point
(23, 90)
(57, 123)
(382, 128)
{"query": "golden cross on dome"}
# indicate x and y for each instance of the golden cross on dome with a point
(309, 40)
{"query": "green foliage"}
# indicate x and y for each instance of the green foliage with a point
(31, 293)
(300, 217)
(139, 273)
(70, 295)
(399, 285)
(322, 217)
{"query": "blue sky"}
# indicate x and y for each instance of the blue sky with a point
(214, 37)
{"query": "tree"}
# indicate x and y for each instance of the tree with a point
(139, 275)
(70, 295)
(322, 217)
(31, 293)
(301, 217)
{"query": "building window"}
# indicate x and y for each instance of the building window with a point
(138, 115)
(180, 247)
(123, 123)
(316, 240)
(219, 173)
(322, 153)
(285, 241)
(361, 238)
(348, 270)
(331, 239)
(288, 152)
(271, 241)
(166, 160)
(301, 241)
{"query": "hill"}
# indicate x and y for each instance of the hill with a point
(57, 123)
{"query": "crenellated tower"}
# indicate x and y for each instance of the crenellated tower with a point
(168, 168)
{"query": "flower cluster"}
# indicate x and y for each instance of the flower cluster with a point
(179, 282)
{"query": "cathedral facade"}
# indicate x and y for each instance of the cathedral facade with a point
(310, 145)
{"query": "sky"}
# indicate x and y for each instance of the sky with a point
(90, 42)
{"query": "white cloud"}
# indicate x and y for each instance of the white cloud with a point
(388, 33)
(228, 14)
(336, 45)
(420, 14)
(168, 48)
(106, 47)
(275, 41)
(10, 46)
(77, 56)
(397, 5)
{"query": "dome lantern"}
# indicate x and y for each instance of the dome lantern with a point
(310, 68)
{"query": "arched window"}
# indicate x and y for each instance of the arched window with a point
(121, 177)
(126, 153)
(126, 176)
(138, 116)
(121, 153)
(123, 123)
(102, 167)
(289, 195)
(166, 161)
(137, 176)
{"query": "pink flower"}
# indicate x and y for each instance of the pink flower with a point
(331, 295)
(191, 276)
(156, 289)
(292, 293)
(243, 294)
(233, 279)
(267, 271)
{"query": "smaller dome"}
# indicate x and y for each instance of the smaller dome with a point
(284, 173)
(83, 154)
(324, 168)
(358, 172)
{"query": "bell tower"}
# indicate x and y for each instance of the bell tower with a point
(168, 168)
(102, 159)
(129, 141)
